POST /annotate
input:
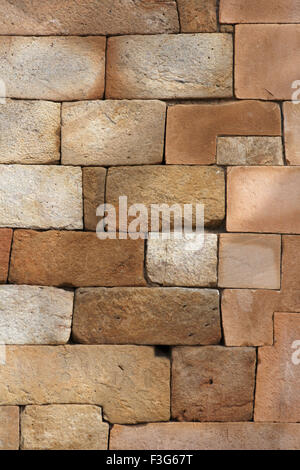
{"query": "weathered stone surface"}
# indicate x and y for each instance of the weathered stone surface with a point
(30, 132)
(53, 68)
(35, 315)
(9, 428)
(40, 197)
(249, 261)
(198, 16)
(131, 383)
(278, 375)
(170, 185)
(113, 132)
(169, 66)
(93, 180)
(263, 199)
(63, 427)
(192, 130)
(291, 112)
(5, 244)
(259, 11)
(75, 259)
(213, 383)
(147, 316)
(173, 262)
(291, 262)
(206, 436)
(249, 151)
(270, 80)
(31, 17)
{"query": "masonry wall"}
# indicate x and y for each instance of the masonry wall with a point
(145, 344)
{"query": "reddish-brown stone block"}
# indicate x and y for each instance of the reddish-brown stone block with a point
(5, 244)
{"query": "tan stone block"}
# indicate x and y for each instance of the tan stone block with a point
(31, 17)
(147, 316)
(113, 132)
(169, 66)
(213, 383)
(77, 259)
(192, 130)
(198, 16)
(249, 151)
(93, 180)
(249, 261)
(9, 428)
(53, 68)
(291, 112)
(277, 396)
(267, 61)
(5, 245)
(206, 436)
(63, 427)
(259, 11)
(131, 383)
(290, 262)
(30, 132)
(263, 199)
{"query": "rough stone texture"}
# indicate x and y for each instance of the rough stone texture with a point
(5, 245)
(30, 132)
(131, 383)
(80, 259)
(291, 112)
(213, 383)
(263, 53)
(172, 262)
(9, 428)
(170, 185)
(147, 316)
(93, 180)
(249, 261)
(63, 427)
(31, 17)
(41, 197)
(35, 315)
(169, 66)
(113, 132)
(259, 11)
(278, 375)
(198, 16)
(249, 151)
(263, 199)
(192, 130)
(206, 436)
(53, 68)
(291, 262)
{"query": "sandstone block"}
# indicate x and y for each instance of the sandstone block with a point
(291, 113)
(259, 11)
(5, 245)
(30, 132)
(77, 259)
(198, 16)
(249, 151)
(146, 316)
(53, 68)
(290, 262)
(169, 66)
(41, 197)
(213, 383)
(63, 427)
(9, 428)
(93, 180)
(113, 132)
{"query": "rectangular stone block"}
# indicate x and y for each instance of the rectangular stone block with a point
(213, 383)
(249, 151)
(52, 68)
(63, 427)
(263, 199)
(206, 436)
(259, 11)
(113, 133)
(169, 66)
(169, 185)
(291, 113)
(93, 180)
(290, 262)
(40, 197)
(77, 259)
(198, 16)
(5, 246)
(146, 316)
(9, 427)
(35, 315)
(131, 383)
(30, 132)
(105, 17)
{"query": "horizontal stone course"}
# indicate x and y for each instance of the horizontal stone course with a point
(259, 11)
(9, 428)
